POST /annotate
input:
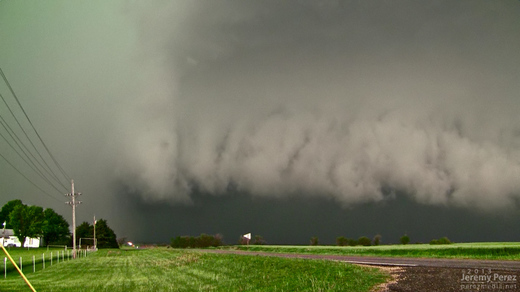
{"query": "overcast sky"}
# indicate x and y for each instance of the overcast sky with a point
(285, 119)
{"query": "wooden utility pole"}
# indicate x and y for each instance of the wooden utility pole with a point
(73, 203)
(95, 246)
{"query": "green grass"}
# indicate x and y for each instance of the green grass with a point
(26, 255)
(164, 269)
(487, 250)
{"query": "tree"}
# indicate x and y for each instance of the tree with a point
(341, 241)
(84, 230)
(106, 238)
(121, 241)
(314, 240)
(405, 239)
(443, 240)
(365, 241)
(26, 221)
(243, 240)
(259, 240)
(377, 239)
(55, 228)
(6, 210)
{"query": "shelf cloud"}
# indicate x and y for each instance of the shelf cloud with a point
(352, 101)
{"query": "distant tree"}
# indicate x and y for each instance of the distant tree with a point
(352, 242)
(106, 238)
(55, 228)
(405, 239)
(242, 240)
(6, 210)
(202, 241)
(377, 239)
(121, 241)
(314, 240)
(84, 230)
(218, 240)
(26, 221)
(180, 242)
(259, 240)
(341, 241)
(365, 241)
(443, 240)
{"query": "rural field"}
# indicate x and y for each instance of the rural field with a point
(168, 269)
(163, 269)
(483, 250)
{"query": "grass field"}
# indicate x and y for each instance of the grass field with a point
(50, 256)
(164, 269)
(487, 250)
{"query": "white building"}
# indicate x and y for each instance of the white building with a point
(7, 238)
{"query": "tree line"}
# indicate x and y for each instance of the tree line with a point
(35, 221)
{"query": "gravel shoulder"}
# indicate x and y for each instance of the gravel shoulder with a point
(433, 279)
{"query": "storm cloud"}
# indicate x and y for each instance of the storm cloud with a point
(202, 116)
(336, 99)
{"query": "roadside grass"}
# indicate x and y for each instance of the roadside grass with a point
(26, 256)
(162, 269)
(486, 250)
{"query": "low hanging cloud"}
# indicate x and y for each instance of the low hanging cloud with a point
(346, 101)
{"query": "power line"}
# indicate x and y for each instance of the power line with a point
(26, 151)
(28, 164)
(48, 169)
(30, 122)
(43, 191)
(18, 141)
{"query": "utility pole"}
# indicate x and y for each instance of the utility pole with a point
(73, 203)
(95, 246)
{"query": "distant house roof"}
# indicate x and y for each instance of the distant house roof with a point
(6, 232)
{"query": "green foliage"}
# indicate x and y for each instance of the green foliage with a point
(314, 241)
(364, 241)
(405, 239)
(443, 240)
(202, 241)
(33, 221)
(377, 239)
(341, 241)
(6, 210)
(105, 236)
(55, 228)
(161, 269)
(84, 230)
(26, 221)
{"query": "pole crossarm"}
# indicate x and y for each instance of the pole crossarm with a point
(73, 203)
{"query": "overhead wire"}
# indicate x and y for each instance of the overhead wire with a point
(30, 181)
(33, 166)
(30, 122)
(22, 145)
(47, 169)
(47, 175)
